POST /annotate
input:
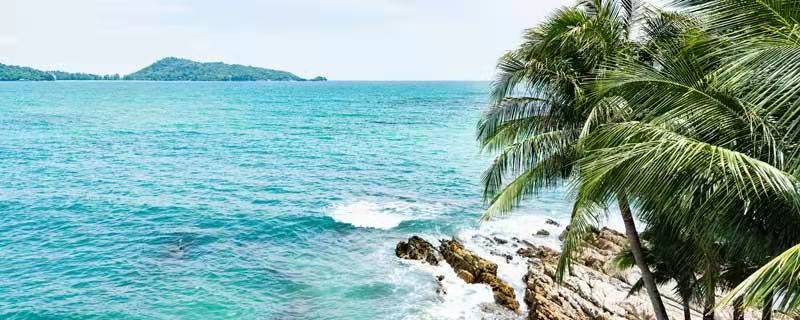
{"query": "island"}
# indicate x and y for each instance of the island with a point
(17, 73)
(166, 69)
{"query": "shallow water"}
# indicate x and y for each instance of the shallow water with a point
(154, 200)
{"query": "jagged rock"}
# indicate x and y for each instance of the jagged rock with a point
(474, 269)
(539, 252)
(417, 249)
(466, 276)
(552, 222)
(588, 291)
(500, 240)
(543, 232)
(506, 256)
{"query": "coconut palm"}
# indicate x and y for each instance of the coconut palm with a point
(711, 108)
(668, 257)
(766, 67)
(719, 118)
(781, 275)
(544, 104)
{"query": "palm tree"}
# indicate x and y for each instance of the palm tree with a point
(544, 104)
(781, 275)
(668, 256)
(768, 53)
(719, 117)
(713, 107)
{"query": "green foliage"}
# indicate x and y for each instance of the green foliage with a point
(669, 257)
(781, 275)
(696, 120)
(15, 73)
(545, 102)
(60, 75)
(167, 69)
(175, 69)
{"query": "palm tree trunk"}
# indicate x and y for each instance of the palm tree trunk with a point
(638, 256)
(708, 312)
(766, 313)
(708, 308)
(687, 309)
(738, 310)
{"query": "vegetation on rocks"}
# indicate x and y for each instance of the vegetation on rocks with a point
(167, 69)
(16, 73)
(176, 69)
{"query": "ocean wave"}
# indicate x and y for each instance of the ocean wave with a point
(378, 215)
(460, 300)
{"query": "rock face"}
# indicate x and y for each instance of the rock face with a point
(474, 269)
(417, 249)
(592, 290)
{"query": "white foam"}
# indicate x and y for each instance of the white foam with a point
(522, 227)
(379, 214)
(465, 301)
(461, 301)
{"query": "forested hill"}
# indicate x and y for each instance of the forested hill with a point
(176, 69)
(16, 73)
(167, 69)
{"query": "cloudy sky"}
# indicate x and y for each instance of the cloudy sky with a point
(341, 39)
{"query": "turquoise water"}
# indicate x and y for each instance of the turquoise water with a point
(149, 200)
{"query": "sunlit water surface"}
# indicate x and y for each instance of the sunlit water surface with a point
(153, 200)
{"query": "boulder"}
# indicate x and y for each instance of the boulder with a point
(542, 233)
(417, 249)
(473, 269)
(552, 222)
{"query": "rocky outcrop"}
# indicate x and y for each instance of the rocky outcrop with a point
(592, 290)
(417, 249)
(467, 265)
(473, 269)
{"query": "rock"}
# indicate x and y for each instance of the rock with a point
(588, 291)
(493, 311)
(466, 276)
(507, 256)
(540, 252)
(552, 222)
(543, 233)
(417, 249)
(473, 269)
(500, 240)
(503, 293)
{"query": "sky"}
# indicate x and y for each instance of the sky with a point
(340, 39)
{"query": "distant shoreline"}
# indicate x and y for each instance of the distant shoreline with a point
(166, 69)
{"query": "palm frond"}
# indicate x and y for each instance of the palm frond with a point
(780, 278)
(526, 154)
(586, 215)
(546, 172)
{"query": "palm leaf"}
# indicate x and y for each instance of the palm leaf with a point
(780, 276)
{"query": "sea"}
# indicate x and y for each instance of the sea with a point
(244, 200)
